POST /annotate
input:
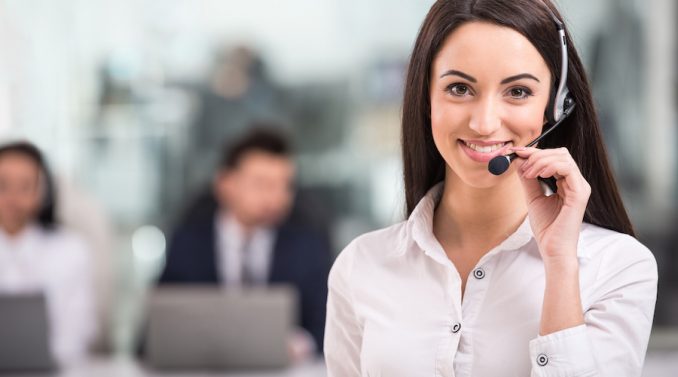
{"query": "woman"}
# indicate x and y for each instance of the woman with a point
(38, 256)
(489, 276)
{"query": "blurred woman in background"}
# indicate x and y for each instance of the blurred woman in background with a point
(36, 255)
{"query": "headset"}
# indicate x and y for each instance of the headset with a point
(559, 107)
(560, 100)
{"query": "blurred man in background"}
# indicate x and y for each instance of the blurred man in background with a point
(248, 238)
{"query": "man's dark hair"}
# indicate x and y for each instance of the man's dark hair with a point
(265, 139)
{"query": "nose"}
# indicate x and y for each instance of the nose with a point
(484, 118)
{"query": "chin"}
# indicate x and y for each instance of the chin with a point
(269, 221)
(479, 178)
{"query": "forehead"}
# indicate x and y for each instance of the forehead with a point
(264, 161)
(16, 162)
(486, 50)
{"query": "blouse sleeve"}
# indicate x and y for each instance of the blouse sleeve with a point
(614, 338)
(343, 331)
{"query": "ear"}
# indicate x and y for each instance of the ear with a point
(221, 184)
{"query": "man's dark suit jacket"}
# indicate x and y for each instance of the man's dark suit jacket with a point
(301, 257)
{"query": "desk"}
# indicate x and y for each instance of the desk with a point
(657, 364)
(126, 367)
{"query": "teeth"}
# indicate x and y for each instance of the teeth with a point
(485, 149)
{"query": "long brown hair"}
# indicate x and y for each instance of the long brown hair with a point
(580, 133)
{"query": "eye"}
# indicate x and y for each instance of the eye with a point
(519, 92)
(458, 89)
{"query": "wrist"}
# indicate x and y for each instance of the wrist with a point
(561, 264)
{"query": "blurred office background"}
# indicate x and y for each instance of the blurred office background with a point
(132, 100)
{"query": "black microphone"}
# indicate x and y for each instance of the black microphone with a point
(500, 164)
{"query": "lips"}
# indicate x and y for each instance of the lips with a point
(484, 151)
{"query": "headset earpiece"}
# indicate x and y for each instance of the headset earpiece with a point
(558, 105)
(559, 100)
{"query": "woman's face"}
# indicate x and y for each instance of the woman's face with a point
(489, 89)
(20, 191)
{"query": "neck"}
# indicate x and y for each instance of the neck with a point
(478, 218)
(245, 229)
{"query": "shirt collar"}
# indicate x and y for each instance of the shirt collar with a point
(231, 231)
(420, 228)
(31, 231)
(420, 222)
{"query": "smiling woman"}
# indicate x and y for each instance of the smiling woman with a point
(489, 276)
(473, 97)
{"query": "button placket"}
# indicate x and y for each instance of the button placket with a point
(476, 288)
(454, 282)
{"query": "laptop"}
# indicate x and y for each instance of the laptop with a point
(212, 327)
(24, 334)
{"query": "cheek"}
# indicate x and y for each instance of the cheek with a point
(445, 118)
(526, 122)
(31, 201)
(223, 191)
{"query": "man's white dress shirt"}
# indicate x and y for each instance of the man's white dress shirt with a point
(239, 253)
(395, 307)
(57, 264)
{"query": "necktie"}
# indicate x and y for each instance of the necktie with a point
(246, 274)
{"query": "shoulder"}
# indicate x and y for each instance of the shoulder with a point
(300, 230)
(198, 227)
(372, 248)
(615, 250)
(66, 245)
(600, 241)
(308, 244)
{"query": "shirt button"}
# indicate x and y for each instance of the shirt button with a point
(456, 327)
(542, 360)
(479, 273)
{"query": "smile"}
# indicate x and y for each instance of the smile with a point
(484, 151)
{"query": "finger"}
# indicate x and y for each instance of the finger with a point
(556, 163)
(524, 152)
(532, 189)
(561, 162)
(537, 161)
(569, 175)
(532, 168)
(523, 155)
(539, 154)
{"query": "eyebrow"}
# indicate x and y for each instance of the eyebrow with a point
(454, 72)
(518, 77)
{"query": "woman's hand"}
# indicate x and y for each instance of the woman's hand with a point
(556, 219)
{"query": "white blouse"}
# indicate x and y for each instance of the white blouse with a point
(395, 308)
(57, 264)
